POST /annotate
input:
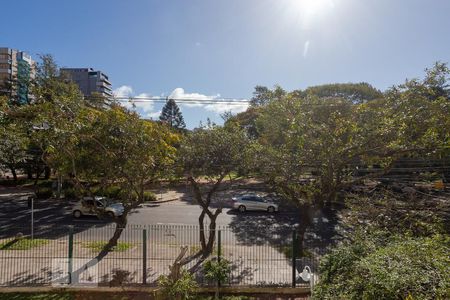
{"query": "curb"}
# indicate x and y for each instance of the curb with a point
(160, 201)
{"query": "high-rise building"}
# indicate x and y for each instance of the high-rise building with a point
(89, 81)
(17, 69)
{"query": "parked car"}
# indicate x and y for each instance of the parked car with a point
(254, 202)
(89, 206)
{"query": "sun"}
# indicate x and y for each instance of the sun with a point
(312, 7)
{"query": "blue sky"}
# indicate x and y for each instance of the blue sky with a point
(223, 48)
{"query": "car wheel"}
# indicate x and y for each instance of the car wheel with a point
(77, 214)
(242, 208)
(111, 214)
(271, 209)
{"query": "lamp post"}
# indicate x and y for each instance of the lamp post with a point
(43, 126)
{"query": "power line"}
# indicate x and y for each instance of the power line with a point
(207, 100)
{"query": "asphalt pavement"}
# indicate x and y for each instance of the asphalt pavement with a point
(53, 214)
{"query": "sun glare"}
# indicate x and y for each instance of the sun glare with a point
(312, 7)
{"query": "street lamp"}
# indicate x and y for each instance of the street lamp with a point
(43, 126)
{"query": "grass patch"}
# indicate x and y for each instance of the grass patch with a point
(23, 244)
(98, 246)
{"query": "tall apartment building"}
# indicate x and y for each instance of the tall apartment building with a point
(89, 80)
(16, 70)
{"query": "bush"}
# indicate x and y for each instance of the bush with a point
(45, 184)
(393, 268)
(217, 270)
(149, 196)
(44, 193)
(112, 192)
(126, 195)
(183, 288)
(70, 193)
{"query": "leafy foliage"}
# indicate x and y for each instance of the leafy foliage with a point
(263, 95)
(183, 288)
(171, 115)
(217, 270)
(379, 266)
(354, 92)
(209, 154)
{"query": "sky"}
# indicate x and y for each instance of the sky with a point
(211, 49)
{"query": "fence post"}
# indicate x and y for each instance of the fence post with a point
(70, 254)
(294, 252)
(219, 246)
(144, 256)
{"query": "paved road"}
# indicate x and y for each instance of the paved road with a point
(15, 216)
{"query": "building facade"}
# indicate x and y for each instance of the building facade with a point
(89, 81)
(17, 69)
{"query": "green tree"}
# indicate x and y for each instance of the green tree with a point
(310, 147)
(105, 146)
(109, 148)
(207, 155)
(171, 115)
(13, 147)
(115, 147)
(354, 92)
(247, 121)
(263, 95)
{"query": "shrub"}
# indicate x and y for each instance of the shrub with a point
(396, 268)
(70, 193)
(183, 288)
(217, 270)
(149, 196)
(44, 193)
(45, 184)
(126, 195)
(112, 192)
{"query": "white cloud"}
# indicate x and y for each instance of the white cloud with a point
(124, 91)
(198, 100)
(144, 108)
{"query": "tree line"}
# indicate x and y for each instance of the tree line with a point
(311, 146)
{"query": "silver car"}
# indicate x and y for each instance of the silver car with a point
(90, 207)
(253, 202)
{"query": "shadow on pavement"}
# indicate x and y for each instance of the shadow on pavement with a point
(51, 216)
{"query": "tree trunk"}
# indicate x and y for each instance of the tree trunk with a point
(14, 174)
(29, 172)
(120, 226)
(47, 172)
(305, 223)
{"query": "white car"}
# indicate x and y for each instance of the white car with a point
(253, 202)
(90, 207)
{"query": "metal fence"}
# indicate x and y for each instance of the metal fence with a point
(257, 255)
